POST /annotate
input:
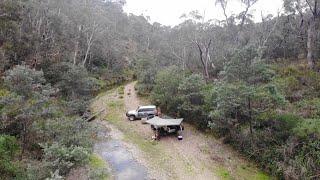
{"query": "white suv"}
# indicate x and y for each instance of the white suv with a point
(142, 112)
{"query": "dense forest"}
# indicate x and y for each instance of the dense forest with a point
(256, 85)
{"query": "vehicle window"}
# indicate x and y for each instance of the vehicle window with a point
(142, 110)
(146, 110)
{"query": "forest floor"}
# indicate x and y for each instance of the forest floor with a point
(197, 156)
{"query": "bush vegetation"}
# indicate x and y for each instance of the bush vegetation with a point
(9, 148)
(34, 112)
(244, 81)
(257, 112)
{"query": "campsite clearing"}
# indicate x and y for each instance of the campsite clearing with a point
(197, 156)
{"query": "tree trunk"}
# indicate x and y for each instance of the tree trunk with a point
(202, 60)
(87, 53)
(208, 59)
(89, 43)
(311, 44)
(76, 49)
(250, 119)
(204, 53)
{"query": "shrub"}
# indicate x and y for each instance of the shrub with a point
(98, 168)
(146, 71)
(245, 66)
(297, 83)
(288, 121)
(191, 96)
(166, 89)
(24, 81)
(76, 83)
(8, 151)
(121, 90)
(75, 106)
(67, 131)
(309, 108)
(301, 158)
(63, 158)
(308, 128)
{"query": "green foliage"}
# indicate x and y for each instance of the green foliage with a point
(190, 89)
(29, 112)
(24, 81)
(98, 167)
(165, 91)
(249, 107)
(9, 148)
(190, 93)
(229, 98)
(28, 101)
(63, 158)
(121, 90)
(288, 121)
(9, 25)
(223, 173)
(75, 106)
(246, 67)
(309, 108)
(296, 82)
(146, 74)
(67, 131)
(308, 128)
(75, 82)
(248, 102)
(241, 61)
(96, 161)
(302, 158)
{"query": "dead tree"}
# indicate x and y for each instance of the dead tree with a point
(205, 58)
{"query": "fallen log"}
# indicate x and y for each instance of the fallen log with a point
(93, 117)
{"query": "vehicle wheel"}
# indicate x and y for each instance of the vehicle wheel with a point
(131, 118)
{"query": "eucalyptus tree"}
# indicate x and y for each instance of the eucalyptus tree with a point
(10, 18)
(236, 23)
(202, 39)
(309, 11)
(223, 4)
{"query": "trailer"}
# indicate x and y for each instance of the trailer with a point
(162, 127)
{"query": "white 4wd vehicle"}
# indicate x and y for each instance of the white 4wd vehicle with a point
(142, 112)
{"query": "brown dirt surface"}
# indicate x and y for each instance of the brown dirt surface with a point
(201, 153)
(197, 156)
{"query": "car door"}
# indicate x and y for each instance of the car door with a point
(141, 113)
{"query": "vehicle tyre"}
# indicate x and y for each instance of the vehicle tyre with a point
(132, 118)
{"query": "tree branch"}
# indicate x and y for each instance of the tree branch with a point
(310, 6)
(223, 4)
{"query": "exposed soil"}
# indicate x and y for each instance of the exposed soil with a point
(188, 152)
(197, 156)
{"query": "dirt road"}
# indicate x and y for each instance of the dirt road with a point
(198, 156)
